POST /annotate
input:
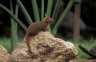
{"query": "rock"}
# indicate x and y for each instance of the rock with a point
(45, 48)
(4, 55)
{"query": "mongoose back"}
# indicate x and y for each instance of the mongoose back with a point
(34, 28)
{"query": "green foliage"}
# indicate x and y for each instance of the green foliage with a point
(42, 9)
(49, 10)
(87, 44)
(35, 10)
(49, 7)
(6, 43)
(15, 24)
(56, 9)
(13, 27)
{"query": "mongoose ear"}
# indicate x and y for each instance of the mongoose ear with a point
(45, 18)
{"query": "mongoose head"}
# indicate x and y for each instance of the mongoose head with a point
(48, 20)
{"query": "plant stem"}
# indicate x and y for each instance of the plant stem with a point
(67, 9)
(42, 9)
(15, 24)
(49, 7)
(35, 10)
(56, 9)
(49, 10)
(14, 17)
(27, 16)
(12, 29)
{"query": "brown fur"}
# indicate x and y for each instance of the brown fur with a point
(34, 28)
